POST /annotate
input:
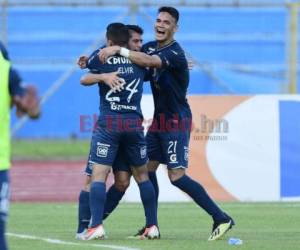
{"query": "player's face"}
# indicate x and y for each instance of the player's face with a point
(135, 41)
(165, 27)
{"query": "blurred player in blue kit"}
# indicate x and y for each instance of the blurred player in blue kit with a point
(108, 138)
(169, 145)
(26, 102)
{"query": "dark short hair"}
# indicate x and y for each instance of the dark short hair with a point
(171, 10)
(118, 33)
(135, 28)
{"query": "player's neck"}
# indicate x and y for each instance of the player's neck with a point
(165, 43)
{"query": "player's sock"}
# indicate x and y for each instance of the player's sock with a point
(153, 179)
(113, 197)
(148, 198)
(200, 196)
(2, 235)
(97, 201)
(84, 212)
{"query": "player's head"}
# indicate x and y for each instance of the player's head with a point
(135, 37)
(117, 34)
(166, 24)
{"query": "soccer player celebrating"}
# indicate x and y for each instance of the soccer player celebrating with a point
(121, 167)
(108, 136)
(169, 83)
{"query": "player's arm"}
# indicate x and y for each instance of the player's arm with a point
(144, 60)
(139, 58)
(25, 98)
(83, 60)
(110, 79)
(97, 75)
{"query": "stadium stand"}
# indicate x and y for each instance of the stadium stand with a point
(237, 50)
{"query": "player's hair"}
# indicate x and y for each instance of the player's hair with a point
(135, 28)
(118, 33)
(171, 10)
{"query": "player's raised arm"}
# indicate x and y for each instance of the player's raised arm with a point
(139, 58)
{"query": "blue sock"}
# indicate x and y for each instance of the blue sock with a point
(3, 245)
(199, 195)
(113, 197)
(97, 201)
(153, 179)
(148, 198)
(84, 212)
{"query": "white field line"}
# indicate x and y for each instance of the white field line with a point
(61, 242)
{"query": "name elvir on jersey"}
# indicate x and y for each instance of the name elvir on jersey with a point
(121, 60)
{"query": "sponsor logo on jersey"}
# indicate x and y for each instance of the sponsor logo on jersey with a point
(118, 60)
(173, 158)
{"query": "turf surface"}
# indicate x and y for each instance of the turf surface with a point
(183, 226)
(50, 149)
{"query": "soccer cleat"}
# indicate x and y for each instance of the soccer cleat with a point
(220, 228)
(80, 236)
(150, 233)
(95, 233)
(138, 234)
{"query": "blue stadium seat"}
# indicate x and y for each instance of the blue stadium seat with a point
(44, 42)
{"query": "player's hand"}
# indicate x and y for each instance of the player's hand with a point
(114, 82)
(107, 52)
(28, 104)
(82, 61)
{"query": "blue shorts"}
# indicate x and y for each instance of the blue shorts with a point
(170, 148)
(106, 142)
(4, 195)
(120, 163)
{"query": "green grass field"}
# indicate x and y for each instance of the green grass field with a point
(183, 226)
(50, 149)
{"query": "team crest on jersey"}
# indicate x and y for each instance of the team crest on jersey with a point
(143, 152)
(102, 149)
(150, 50)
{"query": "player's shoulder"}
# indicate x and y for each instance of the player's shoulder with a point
(149, 47)
(94, 63)
(96, 51)
(175, 48)
(4, 51)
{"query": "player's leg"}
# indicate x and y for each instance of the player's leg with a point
(122, 180)
(122, 175)
(84, 212)
(155, 155)
(4, 204)
(98, 193)
(116, 191)
(104, 148)
(154, 151)
(147, 193)
(137, 156)
(176, 150)
(152, 167)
